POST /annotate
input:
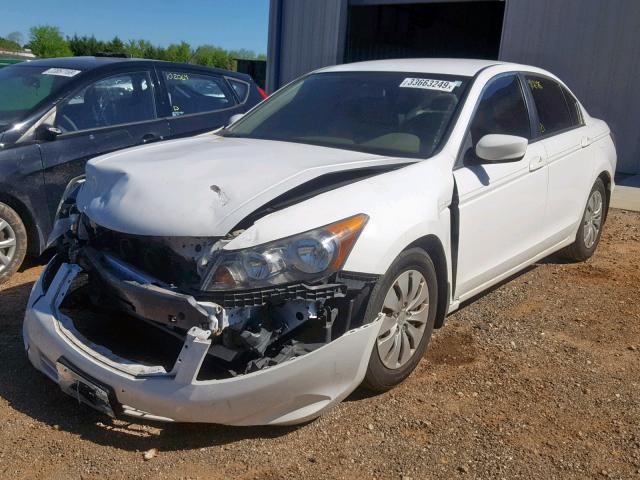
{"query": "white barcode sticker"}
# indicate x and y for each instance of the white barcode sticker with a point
(61, 72)
(430, 84)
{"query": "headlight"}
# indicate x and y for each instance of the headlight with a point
(307, 256)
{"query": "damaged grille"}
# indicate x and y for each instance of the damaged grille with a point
(276, 294)
(172, 260)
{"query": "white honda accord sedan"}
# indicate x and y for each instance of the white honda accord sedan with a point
(260, 273)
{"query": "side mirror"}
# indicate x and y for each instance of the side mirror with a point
(501, 148)
(48, 132)
(235, 118)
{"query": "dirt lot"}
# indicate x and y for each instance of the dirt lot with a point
(538, 379)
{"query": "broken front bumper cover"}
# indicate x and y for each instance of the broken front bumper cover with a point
(292, 392)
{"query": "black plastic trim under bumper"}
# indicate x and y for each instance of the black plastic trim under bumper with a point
(279, 293)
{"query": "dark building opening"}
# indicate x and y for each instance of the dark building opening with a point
(458, 29)
(256, 68)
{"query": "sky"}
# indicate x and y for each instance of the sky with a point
(230, 24)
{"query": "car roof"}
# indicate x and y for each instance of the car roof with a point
(90, 63)
(80, 63)
(451, 66)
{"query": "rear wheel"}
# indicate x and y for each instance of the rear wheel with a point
(13, 242)
(590, 229)
(407, 297)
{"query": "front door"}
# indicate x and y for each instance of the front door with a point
(501, 205)
(112, 113)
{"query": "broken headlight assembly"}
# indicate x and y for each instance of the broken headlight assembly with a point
(67, 215)
(67, 203)
(306, 256)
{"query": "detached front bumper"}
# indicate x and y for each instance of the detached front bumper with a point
(292, 392)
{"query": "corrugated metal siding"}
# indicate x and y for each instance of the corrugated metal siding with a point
(594, 46)
(311, 36)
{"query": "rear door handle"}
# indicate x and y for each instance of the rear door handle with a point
(535, 163)
(585, 142)
(149, 137)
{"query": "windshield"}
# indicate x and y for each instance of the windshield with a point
(24, 87)
(386, 113)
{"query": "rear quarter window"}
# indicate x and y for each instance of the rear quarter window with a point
(574, 108)
(240, 88)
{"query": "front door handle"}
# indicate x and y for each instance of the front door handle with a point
(535, 163)
(149, 137)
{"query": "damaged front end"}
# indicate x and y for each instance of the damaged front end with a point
(189, 310)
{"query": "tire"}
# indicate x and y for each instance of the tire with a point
(590, 230)
(388, 367)
(13, 242)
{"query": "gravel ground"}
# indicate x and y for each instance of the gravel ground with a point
(539, 378)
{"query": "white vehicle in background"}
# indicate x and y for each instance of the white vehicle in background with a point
(259, 274)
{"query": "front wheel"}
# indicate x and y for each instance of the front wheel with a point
(590, 229)
(406, 297)
(13, 242)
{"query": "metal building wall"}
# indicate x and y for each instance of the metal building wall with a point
(304, 35)
(594, 46)
(308, 34)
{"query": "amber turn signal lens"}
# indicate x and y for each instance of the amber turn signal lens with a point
(346, 233)
(225, 276)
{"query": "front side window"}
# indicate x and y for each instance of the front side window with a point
(387, 113)
(502, 110)
(116, 100)
(196, 93)
(23, 88)
(554, 113)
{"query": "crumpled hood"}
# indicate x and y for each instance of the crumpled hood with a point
(202, 186)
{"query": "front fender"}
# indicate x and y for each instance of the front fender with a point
(22, 188)
(403, 206)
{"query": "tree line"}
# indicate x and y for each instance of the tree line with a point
(47, 41)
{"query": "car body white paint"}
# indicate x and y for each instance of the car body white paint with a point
(145, 191)
(498, 148)
(510, 215)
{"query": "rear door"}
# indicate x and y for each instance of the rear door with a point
(198, 101)
(501, 205)
(561, 129)
(112, 112)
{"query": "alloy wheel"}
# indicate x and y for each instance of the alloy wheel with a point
(592, 220)
(7, 245)
(406, 311)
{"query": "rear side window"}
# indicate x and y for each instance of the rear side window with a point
(196, 93)
(502, 110)
(116, 100)
(554, 114)
(241, 88)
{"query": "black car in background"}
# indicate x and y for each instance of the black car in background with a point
(56, 114)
